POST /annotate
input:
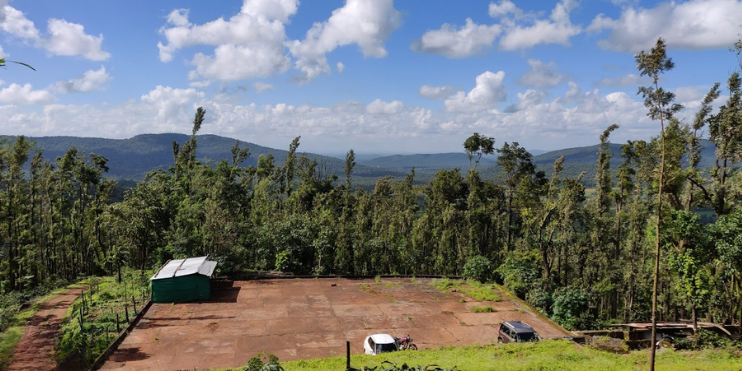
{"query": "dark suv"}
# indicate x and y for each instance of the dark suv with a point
(516, 332)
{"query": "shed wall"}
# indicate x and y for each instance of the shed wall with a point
(181, 289)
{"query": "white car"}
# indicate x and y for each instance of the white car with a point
(379, 343)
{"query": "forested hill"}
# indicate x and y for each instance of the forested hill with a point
(133, 158)
(433, 161)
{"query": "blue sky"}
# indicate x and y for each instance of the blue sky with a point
(376, 76)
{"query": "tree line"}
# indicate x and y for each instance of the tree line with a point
(584, 256)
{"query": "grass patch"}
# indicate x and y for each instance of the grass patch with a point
(98, 329)
(8, 341)
(472, 289)
(484, 309)
(545, 355)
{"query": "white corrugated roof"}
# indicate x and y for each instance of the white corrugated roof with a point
(185, 267)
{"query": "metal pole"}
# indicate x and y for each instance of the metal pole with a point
(347, 355)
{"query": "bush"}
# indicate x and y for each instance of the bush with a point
(478, 268)
(611, 345)
(703, 339)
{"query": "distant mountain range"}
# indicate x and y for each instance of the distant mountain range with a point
(133, 158)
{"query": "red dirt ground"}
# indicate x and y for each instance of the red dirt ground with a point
(36, 348)
(308, 318)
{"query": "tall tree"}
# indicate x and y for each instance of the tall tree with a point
(661, 107)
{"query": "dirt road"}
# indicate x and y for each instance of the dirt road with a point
(36, 348)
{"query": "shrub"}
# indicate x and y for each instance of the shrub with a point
(485, 309)
(611, 345)
(478, 268)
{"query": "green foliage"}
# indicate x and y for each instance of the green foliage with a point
(478, 268)
(259, 363)
(703, 339)
(98, 329)
(472, 289)
(570, 308)
(484, 309)
(608, 344)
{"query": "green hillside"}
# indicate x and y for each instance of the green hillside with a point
(433, 161)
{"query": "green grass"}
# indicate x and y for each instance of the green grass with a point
(545, 355)
(8, 341)
(484, 309)
(473, 289)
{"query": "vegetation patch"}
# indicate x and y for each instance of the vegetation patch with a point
(473, 289)
(483, 309)
(93, 321)
(545, 355)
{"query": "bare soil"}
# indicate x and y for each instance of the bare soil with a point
(35, 351)
(309, 318)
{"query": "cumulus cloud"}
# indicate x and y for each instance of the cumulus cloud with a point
(519, 30)
(693, 25)
(89, 81)
(70, 39)
(469, 40)
(558, 29)
(381, 125)
(487, 92)
(340, 67)
(366, 23)
(541, 75)
(379, 106)
(64, 38)
(24, 94)
(504, 8)
(262, 86)
(172, 105)
(526, 100)
(255, 34)
(436, 92)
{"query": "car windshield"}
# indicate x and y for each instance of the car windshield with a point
(526, 336)
(385, 348)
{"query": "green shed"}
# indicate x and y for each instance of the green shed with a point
(182, 280)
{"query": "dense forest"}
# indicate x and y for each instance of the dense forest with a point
(585, 257)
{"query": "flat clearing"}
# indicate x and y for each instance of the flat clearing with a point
(309, 318)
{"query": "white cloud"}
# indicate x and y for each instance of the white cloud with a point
(436, 92)
(541, 75)
(340, 67)
(70, 39)
(172, 105)
(504, 8)
(15, 23)
(526, 100)
(90, 80)
(199, 84)
(65, 38)
(262, 86)
(366, 23)
(469, 40)
(621, 81)
(256, 34)
(24, 94)
(694, 24)
(558, 29)
(488, 91)
(379, 106)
